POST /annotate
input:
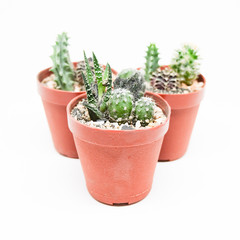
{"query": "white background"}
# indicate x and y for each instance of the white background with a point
(43, 194)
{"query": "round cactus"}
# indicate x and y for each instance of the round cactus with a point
(120, 105)
(133, 80)
(144, 109)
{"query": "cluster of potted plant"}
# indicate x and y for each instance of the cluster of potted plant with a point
(113, 124)
(182, 86)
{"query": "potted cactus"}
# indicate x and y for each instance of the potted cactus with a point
(118, 134)
(182, 86)
(57, 86)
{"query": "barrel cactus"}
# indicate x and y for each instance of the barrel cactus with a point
(144, 110)
(62, 67)
(133, 80)
(120, 105)
(166, 81)
(186, 64)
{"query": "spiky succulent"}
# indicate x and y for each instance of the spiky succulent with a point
(166, 81)
(152, 59)
(62, 66)
(144, 110)
(120, 105)
(131, 79)
(81, 68)
(186, 64)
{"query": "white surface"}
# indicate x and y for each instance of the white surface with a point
(43, 195)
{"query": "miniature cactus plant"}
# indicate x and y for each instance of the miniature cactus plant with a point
(131, 79)
(120, 105)
(186, 64)
(62, 66)
(144, 110)
(166, 80)
(152, 59)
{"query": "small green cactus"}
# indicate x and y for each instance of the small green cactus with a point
(144, 110)
(120, 105)
(131, 79)
(186, 64)
(62, 66)
(152, 59)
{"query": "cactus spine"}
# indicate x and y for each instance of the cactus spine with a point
(62, 66)
(186, 64)
(144, 110)
(152, 59)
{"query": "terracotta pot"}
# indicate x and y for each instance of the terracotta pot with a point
(184, 109)
(118, 164)
(55, 103)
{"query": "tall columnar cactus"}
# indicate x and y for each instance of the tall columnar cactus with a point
(186, 64)
(152, 59)
(62, 66)
(144, 110)
(131, 79)
(120, 105)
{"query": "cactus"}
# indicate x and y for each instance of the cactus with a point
(120, 105)
(144, 110)
(132, 80)
(186, 64)
(166, 81)
(152, 59)
(62, 66)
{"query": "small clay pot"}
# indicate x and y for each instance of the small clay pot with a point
(118, 164)
(184, 109)
(55, 103)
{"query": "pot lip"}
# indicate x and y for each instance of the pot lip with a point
(69, 108)
(39, 81)
(183, 94)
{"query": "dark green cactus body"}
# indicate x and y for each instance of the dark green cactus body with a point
(152, 59)
(131, 79)
(62, 66)
(186, 64)
(120, 105)
(144, 109)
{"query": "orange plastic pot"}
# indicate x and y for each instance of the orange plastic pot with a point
(55, 103)
(118, 164)
(184, 109)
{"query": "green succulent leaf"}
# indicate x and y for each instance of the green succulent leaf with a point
(93, 111)
(99, 77)
(90, 96)
(88, 70)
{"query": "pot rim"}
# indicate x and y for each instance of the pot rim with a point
(75, 100)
